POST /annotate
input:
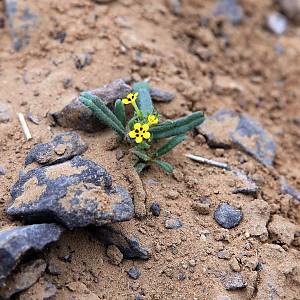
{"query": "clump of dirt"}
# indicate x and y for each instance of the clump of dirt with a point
(210, 64)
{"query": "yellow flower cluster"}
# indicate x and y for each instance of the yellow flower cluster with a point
(140, 131)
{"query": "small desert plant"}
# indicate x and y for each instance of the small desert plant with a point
(144, 128)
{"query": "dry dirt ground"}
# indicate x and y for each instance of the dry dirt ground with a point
(243, 71)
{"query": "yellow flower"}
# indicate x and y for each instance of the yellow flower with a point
(152, 119)
(140, 132)
(131, 97)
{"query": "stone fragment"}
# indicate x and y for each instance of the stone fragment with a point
(276, 23)
(173, 223)
(228, 216)
(134, 273)
(126, 242)
(15, 242)
(232, 281)
(62, 147)
(75, 193)
(175, 6)
(231, 10)
(24, 277)
(22, 22)
(82, 60)
(161, 96)
(2, 170)
(287, 189)
(247, 186)
(257, 215)
(155, 209)
(77, 116)
(4, 113)
(202, 206)
(282, 230)
(226, 128)
(42, 290)
(114, 254)
(291, 8)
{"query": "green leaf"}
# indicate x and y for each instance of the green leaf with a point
(144, 99)
(179, 122)
(164, 165)
(120, 112)
(176, 130)
(140, 166)
(141, 155)
(172, 143)
(143, 146)
(101, 105)
(102, 116)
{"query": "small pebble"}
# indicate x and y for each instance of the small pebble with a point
(155, 209)
(134, 273)
(276, 23)
(2, 170)
(173, 223)
(172, 194)
(228, 216)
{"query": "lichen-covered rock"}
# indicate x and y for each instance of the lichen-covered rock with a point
(22, 21)
(75, 193)
(24, 277)
(77, 116)
(128, 244)
(62, 147)
(227, 128)
(17, 241)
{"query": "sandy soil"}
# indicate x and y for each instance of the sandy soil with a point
(244, 73)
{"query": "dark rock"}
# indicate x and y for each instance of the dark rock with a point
(161, 96)
(227, 128)
(75, 193)
(62, 147)
(4, 113)
(287, 189)
(276, 23)
(22, 21)
(42, 290)
(134, 273)
(249, 187)
(231, 10)
(128, 244)
(77, 116)
(2, 170)
(82, 60)
(102, 1)
(24, 277)
(232, 281)
(175, 6)
(228, 216)
(33, 118)
(173, 223)
(155, 209)
(67, 83)
(17, 241)
(291, 8)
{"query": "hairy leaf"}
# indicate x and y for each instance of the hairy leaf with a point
(172, 143)
(140, 166)
(141, 155)
(120, 112)
(164, 165)
(144, 99)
